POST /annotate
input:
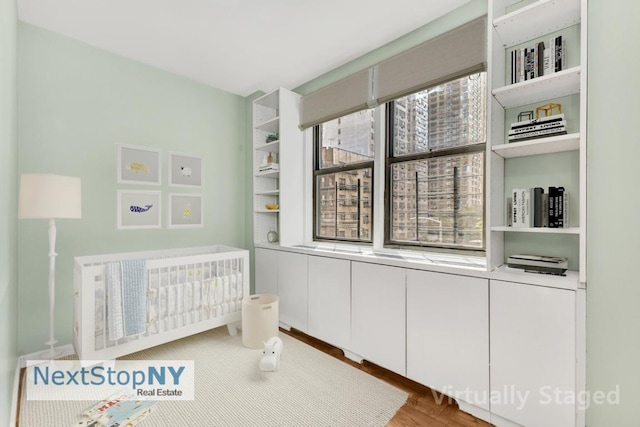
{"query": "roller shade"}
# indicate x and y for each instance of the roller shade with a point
(451, 55)
(454, 54)
(345, 96)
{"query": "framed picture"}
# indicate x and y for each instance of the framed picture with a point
(137, 165)
(138, 209)
(186, 211)
(185, 170)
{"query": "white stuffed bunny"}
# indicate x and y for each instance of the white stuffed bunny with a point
(271, 354)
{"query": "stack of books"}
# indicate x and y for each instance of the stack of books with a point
(538, 60)
(121, 409)
(532, 207)
(269, 167)
(538, 128)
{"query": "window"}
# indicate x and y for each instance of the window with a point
(435, 171)
(344, 150)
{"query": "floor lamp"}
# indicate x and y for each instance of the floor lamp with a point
(46, 196)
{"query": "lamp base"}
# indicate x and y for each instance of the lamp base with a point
(52, 353)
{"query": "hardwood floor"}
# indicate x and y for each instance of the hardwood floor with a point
(421, 408)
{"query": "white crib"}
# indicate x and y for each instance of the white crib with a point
(189, 290)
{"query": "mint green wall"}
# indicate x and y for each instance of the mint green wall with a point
(613, 213)
(74, 103)
(8, 221)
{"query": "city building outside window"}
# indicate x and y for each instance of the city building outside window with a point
(435, 166)
(434, 184)
(343, 172)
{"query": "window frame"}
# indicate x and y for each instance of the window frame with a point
(318, 172)
(391, 160)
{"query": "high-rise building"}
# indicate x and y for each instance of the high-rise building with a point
(440, 199)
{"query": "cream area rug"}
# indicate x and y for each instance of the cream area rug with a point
(310, 388)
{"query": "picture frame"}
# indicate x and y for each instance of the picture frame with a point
(186, 210)
(185, 170)
(138, 165)
(138, 209)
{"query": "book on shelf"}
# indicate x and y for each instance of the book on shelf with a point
(536, 194)
(539, 264)
(552, 124)
(121, 409)
(560, 130)
(558, 207)
(545, 209)
(521, 202)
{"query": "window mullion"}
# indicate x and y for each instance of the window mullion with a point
(379, 178)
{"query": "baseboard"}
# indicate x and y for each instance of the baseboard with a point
(65, 350)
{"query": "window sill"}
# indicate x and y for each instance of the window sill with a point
(449, 263)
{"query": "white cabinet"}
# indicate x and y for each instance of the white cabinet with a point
(448, 335)
(330, 300)
(378, 314)
(277, 168)
(541, 162)
(284, 274)
(266, 271)
(292, 289)
(533, 355)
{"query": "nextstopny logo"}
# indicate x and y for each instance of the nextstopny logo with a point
(75, 380)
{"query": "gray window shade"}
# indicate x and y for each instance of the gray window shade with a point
(454, 54)
(343, 97)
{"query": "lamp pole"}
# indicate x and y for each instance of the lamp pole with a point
(51, 354)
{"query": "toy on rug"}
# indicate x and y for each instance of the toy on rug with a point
(271, 354)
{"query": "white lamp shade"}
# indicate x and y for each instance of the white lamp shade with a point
(49, 196)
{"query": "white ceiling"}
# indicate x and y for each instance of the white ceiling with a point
(240, 46)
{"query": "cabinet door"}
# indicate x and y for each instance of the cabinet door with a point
(378, 314)
(330, 300)
(448, 334)
(266, 275)
(292, 289)
(532, 354)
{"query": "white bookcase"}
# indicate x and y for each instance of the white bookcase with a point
(276, 115)
(512, 24)
(537, 333)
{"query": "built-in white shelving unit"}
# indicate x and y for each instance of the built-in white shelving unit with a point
(536, 317)
(510, 27)
(276, 119)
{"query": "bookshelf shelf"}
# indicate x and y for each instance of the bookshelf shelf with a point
(267, 174)
(267, 211)
(272, 147)
(569, 281)
(270, 101)
(268, 193)
(561, 83)
(541, 230)
(535, 20)
(533, 147)
(270, 125)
